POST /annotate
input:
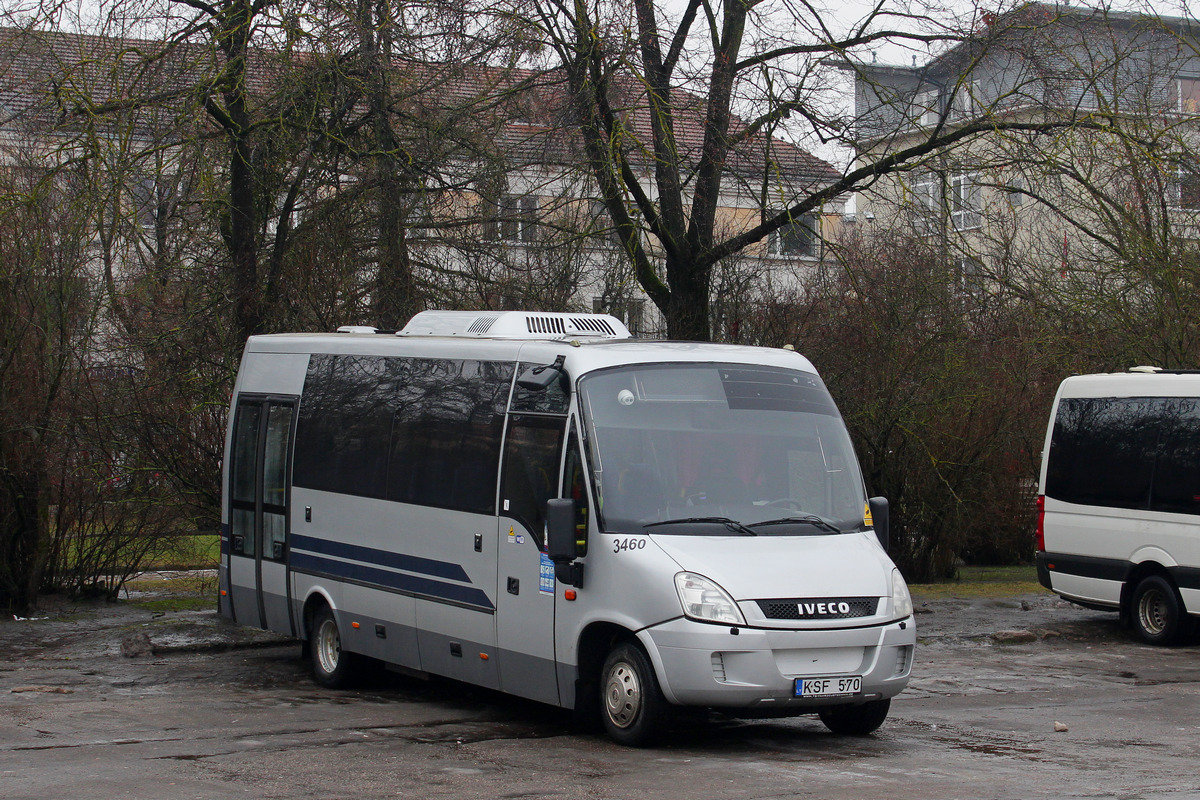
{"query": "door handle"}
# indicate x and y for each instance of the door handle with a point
(479, 543)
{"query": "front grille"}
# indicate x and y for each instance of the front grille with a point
(819, 607)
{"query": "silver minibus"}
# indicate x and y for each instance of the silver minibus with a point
(540, 504)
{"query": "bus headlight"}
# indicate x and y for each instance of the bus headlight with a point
(706, 601)
(902, 606)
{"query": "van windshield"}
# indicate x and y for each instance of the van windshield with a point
(719, 449)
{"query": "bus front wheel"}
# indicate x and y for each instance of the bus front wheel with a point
(632, 706)
(859, 720)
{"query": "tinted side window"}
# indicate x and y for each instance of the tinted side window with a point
(1177, 470)
(531, 460)
(243, 477)
(423, 431)
(551, 401)
(1102, 451)
(446, 433)
(345, 421)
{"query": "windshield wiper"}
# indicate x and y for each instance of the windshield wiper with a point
(731, 524)
(809, 519)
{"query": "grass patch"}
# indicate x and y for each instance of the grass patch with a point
(976, 582)
(200, 551)
(185, 583)
(180, 603)
(189, 591)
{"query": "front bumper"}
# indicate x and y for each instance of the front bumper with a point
(755, 668)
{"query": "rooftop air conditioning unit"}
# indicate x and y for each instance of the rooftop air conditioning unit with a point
(516, 325)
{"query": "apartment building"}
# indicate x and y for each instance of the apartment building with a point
(1078, 131)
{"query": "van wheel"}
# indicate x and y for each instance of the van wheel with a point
(859, 720)
(1157, 611)
(631, 704)
(332, 667)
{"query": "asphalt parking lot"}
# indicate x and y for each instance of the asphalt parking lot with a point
(213, 711)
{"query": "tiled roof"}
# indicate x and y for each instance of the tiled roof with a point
(46, 76)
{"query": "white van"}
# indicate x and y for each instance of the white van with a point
(1119, 498)
(540, 504)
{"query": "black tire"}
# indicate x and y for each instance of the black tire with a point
(855, 720)
(333, 667)
(632, 706)
(1156, 611)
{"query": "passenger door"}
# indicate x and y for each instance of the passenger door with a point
(525, 592)
(259, 494)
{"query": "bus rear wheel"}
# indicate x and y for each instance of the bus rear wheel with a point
(1157, 611)
(333, 667)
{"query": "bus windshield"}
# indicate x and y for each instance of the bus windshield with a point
(719, 449)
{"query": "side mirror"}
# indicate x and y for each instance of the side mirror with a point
(880, 515)
(560, 541)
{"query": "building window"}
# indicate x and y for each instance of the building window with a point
(1185, 95)
(1184, 191)
(927, 107)
(970, 275)
(966, 206)
(965, 102)
(1016, 191)
(514, 219)
(799, 238)
(926, 202)
(518, 218)
(149, 198)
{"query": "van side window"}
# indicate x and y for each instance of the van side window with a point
(445, 439)
(532, 453)
(1127, 452)
(423, 431)
(345, 419)
(243, 472)
(575, 487)
(1102, 451)
(1176, 485)
(551, 401)
(275, 493)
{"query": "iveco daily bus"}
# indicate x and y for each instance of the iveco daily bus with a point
(1119, 500)
(541, 504)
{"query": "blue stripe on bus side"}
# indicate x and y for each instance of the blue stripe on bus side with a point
(384, 558)
(397, 581)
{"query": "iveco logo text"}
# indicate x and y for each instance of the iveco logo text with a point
(823, 609)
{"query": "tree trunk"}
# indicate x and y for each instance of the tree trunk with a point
(242, 234)
(687, 307)
(22, 537)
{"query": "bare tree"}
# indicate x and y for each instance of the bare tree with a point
(47, 312)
